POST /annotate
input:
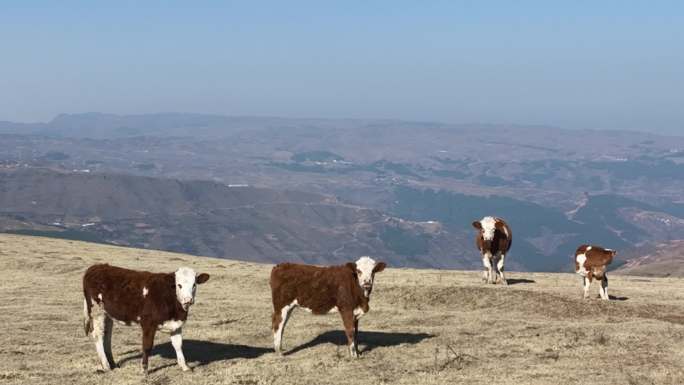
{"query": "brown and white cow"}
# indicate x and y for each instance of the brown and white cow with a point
(591, 262)
(155, 301)
(493, 240)
(321, 290)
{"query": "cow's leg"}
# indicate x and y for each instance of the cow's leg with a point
(108, 328)
(587, 283)
(348, 321)
(356, 335)
(487, 262)
(500, 268)
(87, 319)
(177, 342)
(280, 319)
(99, 327)
(484, 272)
(604, 288)
(147, 342)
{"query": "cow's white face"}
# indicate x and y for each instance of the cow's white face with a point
(366, 268)
(488, 228)
(186, 285)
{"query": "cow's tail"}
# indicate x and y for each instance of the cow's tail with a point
(87, 318)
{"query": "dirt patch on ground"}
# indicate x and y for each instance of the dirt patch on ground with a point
(537, 304)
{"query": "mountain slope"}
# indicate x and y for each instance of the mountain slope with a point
(663, 259)
(208, 218)
(424, 326)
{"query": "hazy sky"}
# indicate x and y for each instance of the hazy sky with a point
(574, 64)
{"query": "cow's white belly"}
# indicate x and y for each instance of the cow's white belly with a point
(295, 303)
(170, 326)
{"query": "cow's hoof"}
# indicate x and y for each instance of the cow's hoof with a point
(186, 369)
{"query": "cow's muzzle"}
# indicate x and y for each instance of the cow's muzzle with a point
(186, 304)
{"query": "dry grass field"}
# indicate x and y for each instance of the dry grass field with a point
(424, 327)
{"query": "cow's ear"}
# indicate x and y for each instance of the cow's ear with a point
(351, 266)
(477, 225)
(380, 266)
(614, 253)
(202, 278)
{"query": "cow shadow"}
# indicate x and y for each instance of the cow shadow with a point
(367, 340)
(616, 298)
(200, 353)
(515, 281)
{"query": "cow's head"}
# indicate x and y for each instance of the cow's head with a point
(186, 285)
(365, 269)
(487, 227)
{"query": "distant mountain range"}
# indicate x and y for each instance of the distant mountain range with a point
(322, 190)
(110, 126)
(207, 218)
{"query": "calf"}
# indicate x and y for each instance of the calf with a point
(155, 301)
(493, 239)
(592, 262)
(321, 290)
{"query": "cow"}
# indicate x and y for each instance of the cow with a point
(155, 301)
(321, 290)
(493, 239)
(591, 262)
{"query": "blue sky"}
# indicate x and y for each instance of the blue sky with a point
(574, 64)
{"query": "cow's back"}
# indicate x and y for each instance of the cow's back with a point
(313, 287)
(597, 256)
(118, 290)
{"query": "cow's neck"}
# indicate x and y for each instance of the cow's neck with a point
(363, 298)
(180, 313)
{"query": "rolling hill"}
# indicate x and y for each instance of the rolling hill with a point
(662, 259)
(209, 218)
(423, 228)
(425, 326)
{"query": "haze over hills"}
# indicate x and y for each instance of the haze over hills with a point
(404, 190)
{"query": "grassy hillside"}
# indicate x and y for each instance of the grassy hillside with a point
(425, 326)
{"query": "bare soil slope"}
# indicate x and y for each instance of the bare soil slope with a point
(425, 326)
(665, 259)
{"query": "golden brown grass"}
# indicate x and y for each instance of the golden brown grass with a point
(425, 326)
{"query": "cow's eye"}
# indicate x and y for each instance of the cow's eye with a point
(180, 286)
